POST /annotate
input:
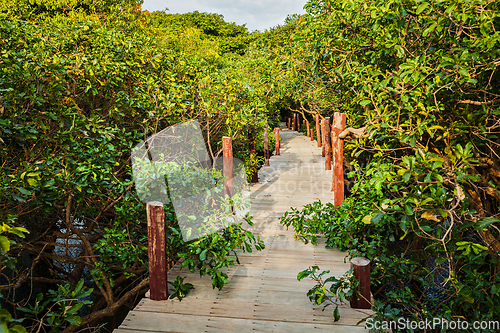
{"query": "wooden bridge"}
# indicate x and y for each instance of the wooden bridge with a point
(263, 294)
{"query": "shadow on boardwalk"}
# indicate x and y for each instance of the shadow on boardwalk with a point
(263, 294)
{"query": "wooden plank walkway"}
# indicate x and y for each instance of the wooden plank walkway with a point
(263, 294)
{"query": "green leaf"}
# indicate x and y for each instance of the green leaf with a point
(406, 176)
(400, 51)
(422, 7)
(377, 217)
(440, 260)
(303, 274)
(442, 212)
(408, 210)
(3, 327)
(17, 232)
(74, 320)
(426, 228)
(336, 315)
(429, 29)
(367, 219)
(24, 191)
(4, 247)
(18, 329)
(5, 314)
(485, 222)
(74, 308)
(203, 255)
(495, 289)
(79, 286)
(32, 182)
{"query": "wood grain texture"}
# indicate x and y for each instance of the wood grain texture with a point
(339, 120)
(156, 251)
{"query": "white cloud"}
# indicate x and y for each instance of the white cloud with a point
(257, 14)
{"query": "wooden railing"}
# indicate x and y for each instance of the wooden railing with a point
(332, 147)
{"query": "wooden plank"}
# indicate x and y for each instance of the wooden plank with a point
(158, 322)
(250, 310)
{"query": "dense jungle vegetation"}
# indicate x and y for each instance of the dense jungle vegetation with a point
(422, 78)
(82, 82)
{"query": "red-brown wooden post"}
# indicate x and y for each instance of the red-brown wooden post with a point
(289, 123)
(277, 143)
(253, 154)
(338, 158)
(155, 214)
(323, 136)
(312, 134)
(308, 131)
(361, 271)
(328, 154)
(227, 153)
(318, 136)
(266, 147)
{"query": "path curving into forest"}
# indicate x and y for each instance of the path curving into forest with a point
(263, 294)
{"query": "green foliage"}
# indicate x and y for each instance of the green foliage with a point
(8, 325)
(340, 291)
(180, 289)
(421, 76)
(5, 242)
(81, 84)
(59, 306)
(213, 252)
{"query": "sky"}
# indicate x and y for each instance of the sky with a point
(257, 14)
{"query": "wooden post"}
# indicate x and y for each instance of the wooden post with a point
(338, 158)
(361, 271)
(253, 154)
(312, 134)
(318, 136)
(308, 130)
(156, 251)
(277, 143)
(323, 137)
(289, 125)
(328, 154)
(227, 153)
(266, 147)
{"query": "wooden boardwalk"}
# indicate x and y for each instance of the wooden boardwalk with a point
(263, 294)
